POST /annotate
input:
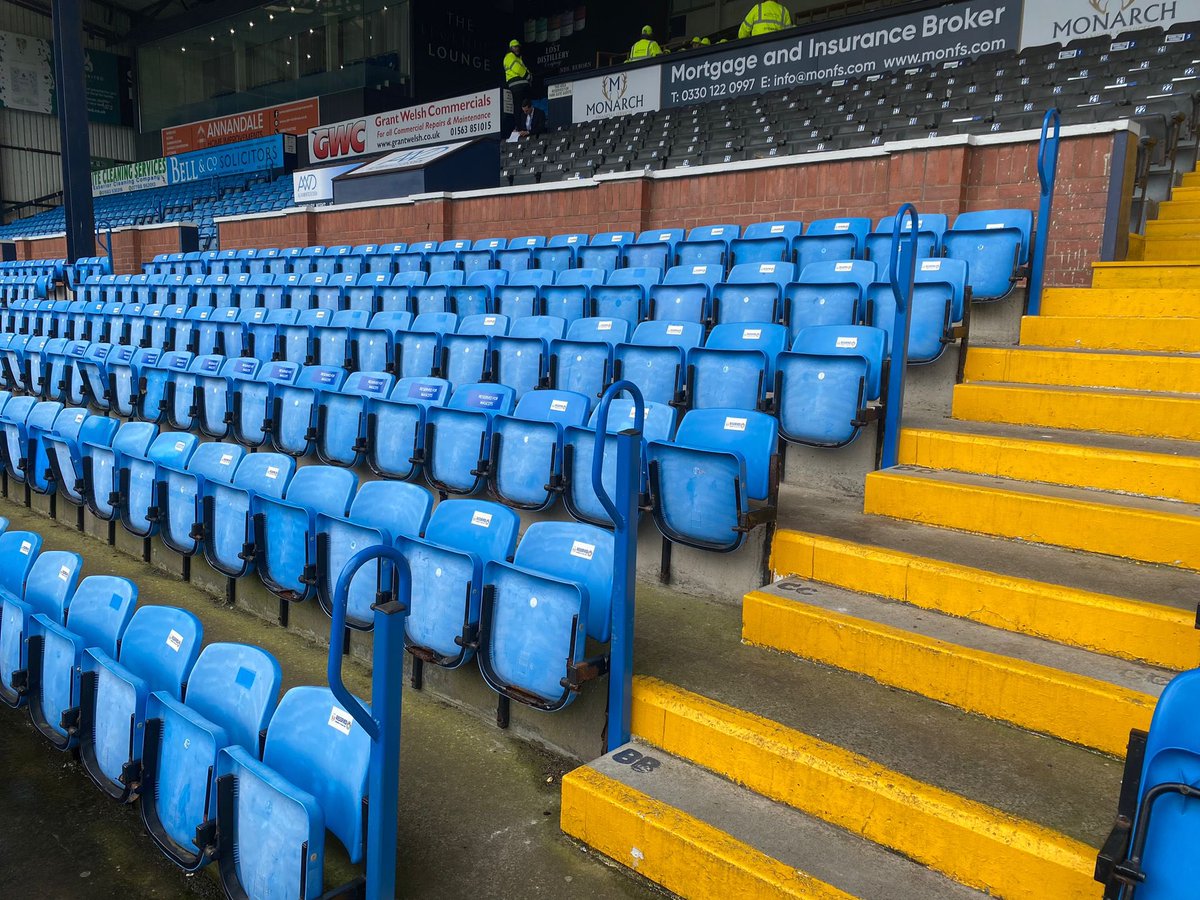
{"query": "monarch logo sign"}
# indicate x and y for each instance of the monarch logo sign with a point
(616, 94)
(1069, 20)
(336, 141)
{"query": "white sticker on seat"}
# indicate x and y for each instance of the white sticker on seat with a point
(674, 329)
(931, 265)
(582, 550)
(766, 269)
(272, 471)
(664, 237)
(751, 334)
(841, 226)
(482, 519)
(79, 418)
(616, 239)
(179, 446)
(340, 720)
(776, 229)
(847, 343)
(992, 226)
(573, 239)
(558, 405)
(64, 573)
(226, 459)
(606, 325)
(732, 424)
(489, 320)
(699, 270)
(843, 267)
(26, 546)
(174, 640)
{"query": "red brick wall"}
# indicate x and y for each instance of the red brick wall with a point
(948, 180)
(131, 247)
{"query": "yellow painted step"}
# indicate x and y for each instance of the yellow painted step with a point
(1169, 373)
(1140, 414)
(968, 841)
(1174, 228)
(1132, 528)
(1152, 335)
(1164, 273)
(1141, 632)
(685, 855)
(1149, 474)
(1065, 705)
(1180, 209)
(1185, 193)
(1171, 249)
(1121, 302)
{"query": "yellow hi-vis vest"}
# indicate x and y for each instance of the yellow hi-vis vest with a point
(644, 49)
(765, 18)
(515, 69)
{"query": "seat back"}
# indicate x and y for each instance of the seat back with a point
(572, 551)
(160, 646)
(51, 583)
(100, 610)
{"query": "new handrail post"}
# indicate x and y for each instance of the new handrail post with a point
(623, 510)
(904, 271)
(1048, 176)
(382, 721)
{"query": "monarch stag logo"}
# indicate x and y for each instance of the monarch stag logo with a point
(614, 87)
(1103, 6)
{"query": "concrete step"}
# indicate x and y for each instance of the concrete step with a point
(1122, 302)
(1160, 273)
(700, 835)
(1155, 335)
(1146, 467)
(1168, 373)
(1129, 412)
(1137, 528)
(694, 643)
(1075, 695)
(967, 841)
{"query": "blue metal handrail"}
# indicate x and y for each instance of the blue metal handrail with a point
(904, 271)
(103, 229)
(382, 721)
(1047, 175)
(624, 514)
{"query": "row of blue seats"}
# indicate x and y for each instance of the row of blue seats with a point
(25, 287)
(755, 292)
(997, 243)
(52, 269)
(297, 527)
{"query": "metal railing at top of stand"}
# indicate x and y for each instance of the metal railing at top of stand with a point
(904, 270)
(1047, 176)
(623, 511)
(104, 238)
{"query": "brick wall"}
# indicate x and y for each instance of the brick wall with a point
(131, 247)
(948, 180)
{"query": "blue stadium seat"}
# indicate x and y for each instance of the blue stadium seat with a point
(292, 340)
(18, 449)
(520, 358)
(157, 653)
(209, 333)
(938, 304)
(765, 242)
(707, 245)
(752, 292)
(684, 293)
(232, 692)
(827, 383)
(365, 292)
(417, 353)
(518, 255)
(605, 251)
(355, 262)
(569, 296)
(717, 479)
(654, 249)
(382, 512)
(48, 588)
(285, 529)
(654, 358)
(383, 258)
(930, 230)
(474, 296)
(447, 257)
(372, 348)
(262, 334)
(154, 378)
(539, 611)
(60, 451)
(995, 246)
(341, 417)
(447, 566)
(226, 528)
(434, 295)
(251, 402)
(522, 293)
(458, 436)
(481, 257)
(94, 369)
(293, 408)
(828, 293)
(735, 368)
(579, 448)
(137, 502)
(180, 491)
(211, 399)
(465, 356)
(625, 295)
(396, 426)
(314, 766)
(559, 253)
(329, 344)
(180, 395)
(100, 610)
(102, 466)
(525, 470)
(582, 362)
(397, 295)
(828, 240)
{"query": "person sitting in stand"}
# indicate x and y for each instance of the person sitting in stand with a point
(531, 121)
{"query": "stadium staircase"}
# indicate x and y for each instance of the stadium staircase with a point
(934, 699)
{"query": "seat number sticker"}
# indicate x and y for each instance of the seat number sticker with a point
(606, 325)
(847, 343)
(843, 267)
(751, 334)
(64, 573)
(558, 405)
(766, 269)
(931, 265)
(226, 458)
(732, 424)
(674, 329)
(174, 640)
(340, 720)
(26, 546)
(272, 471)
(992, 226)
(582, 550)
(699, 270)
(482, 519)
(179, 446)
(842, 226)
(776, 229)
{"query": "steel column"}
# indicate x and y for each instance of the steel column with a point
(71, 93)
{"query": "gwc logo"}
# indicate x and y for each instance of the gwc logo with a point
(344, 139)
